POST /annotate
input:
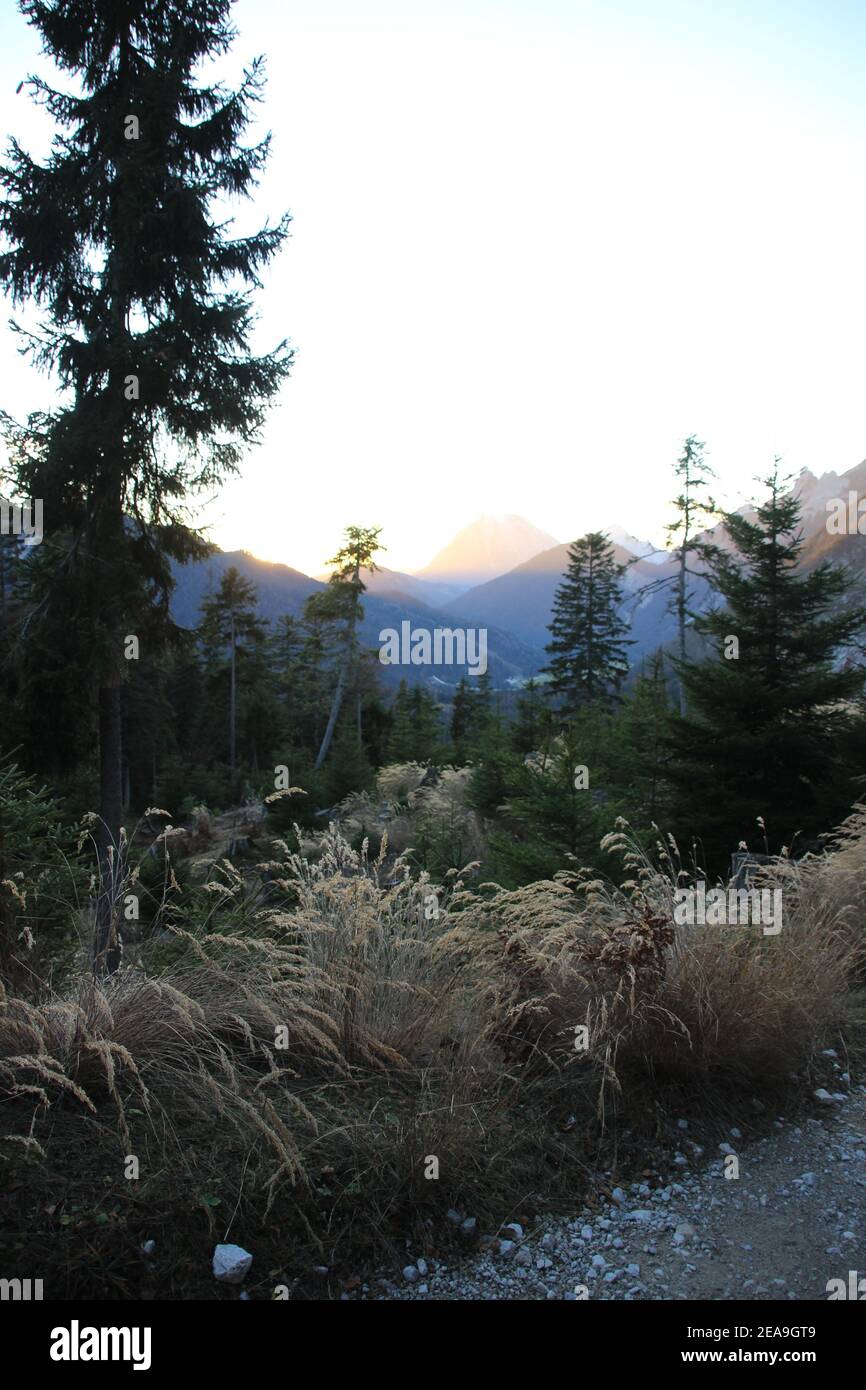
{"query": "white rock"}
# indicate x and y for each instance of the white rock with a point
(410, 1273)
(231, 1263)
(823, 1096)
(421, 1266)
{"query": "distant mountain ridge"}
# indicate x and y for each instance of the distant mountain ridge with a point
(283, 590)
(523, 598)
(515, 604)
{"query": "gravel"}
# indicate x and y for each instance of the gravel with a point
(800, 1199)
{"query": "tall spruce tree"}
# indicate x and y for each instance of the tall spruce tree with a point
(230, 623)
(695, 511)
(587, 650)
(639, 752)
(462, 712)
(342, 602)
(771, 712)
(531, 723)
(417, 729)
(121, 238)
(549, 817)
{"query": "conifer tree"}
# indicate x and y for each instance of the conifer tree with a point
(416, 731)
(588, 647)
(494, 764)
(314, 676)
(695, 512)
(771, 711)
(11, 614)
(640, 753)
(230, 620)
(284, 649)
(118, 237)
(530, 725)
(462, 711)
(552, 818)
(401, 743)
(349, 768)
(341, 602)
(471, 711)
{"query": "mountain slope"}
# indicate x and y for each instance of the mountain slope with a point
(522, 599)
(284, 590)
(281, 589)
(515, 605)
(488, 547)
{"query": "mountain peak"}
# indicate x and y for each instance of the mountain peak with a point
(487, 547)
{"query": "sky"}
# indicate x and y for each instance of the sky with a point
(536, 243)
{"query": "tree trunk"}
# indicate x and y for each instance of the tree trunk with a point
(109, 537)
(341, 685)
(333, 716)
(681, 621)
(232, 699)
(107, 943)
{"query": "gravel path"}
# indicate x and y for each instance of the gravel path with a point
(793, 1219)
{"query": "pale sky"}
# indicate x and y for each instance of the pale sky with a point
(535, 244)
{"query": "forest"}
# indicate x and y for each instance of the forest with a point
(274, 931)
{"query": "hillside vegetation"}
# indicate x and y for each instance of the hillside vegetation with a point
(285, 1054)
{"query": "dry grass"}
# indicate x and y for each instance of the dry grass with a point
(414, 811)
(703, 1003)
(305, 1059)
